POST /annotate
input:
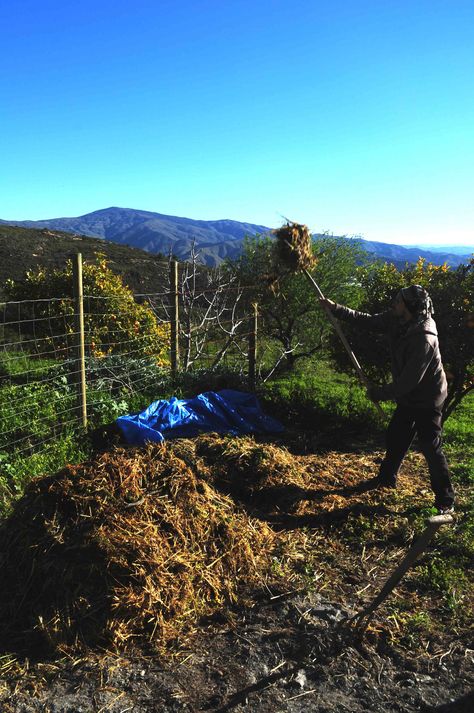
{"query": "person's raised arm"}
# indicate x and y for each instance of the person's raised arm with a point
(377, 322)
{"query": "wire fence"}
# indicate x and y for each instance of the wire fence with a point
(67, 362)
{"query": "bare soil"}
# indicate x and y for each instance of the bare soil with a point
(287, 654)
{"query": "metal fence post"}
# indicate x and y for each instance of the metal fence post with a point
(80, 360)
(252, 352)
(174, 317)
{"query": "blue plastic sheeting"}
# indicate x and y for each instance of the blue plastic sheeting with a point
(224, 411)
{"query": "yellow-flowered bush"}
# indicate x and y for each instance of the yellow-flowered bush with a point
(114, 322)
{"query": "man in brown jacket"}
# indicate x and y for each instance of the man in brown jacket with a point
(418, 387)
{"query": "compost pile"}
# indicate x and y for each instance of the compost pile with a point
(128, 550)
(131, 550)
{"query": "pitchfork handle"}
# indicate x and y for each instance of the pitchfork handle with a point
(413, 554)
(342, 337)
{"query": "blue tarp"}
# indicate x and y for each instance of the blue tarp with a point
(225, 411)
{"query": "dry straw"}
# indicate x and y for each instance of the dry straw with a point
(131, 549)
(128, 550)
(293, 247)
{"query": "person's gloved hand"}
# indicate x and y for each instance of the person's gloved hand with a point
(325, 302)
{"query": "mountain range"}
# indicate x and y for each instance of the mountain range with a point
(215, 240)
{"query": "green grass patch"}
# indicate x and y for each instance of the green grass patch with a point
(321, 399)
(459, 439)
(17, 470)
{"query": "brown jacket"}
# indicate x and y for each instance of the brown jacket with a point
(417, 371)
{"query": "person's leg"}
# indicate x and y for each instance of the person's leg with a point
(429, 428)
(400, 433)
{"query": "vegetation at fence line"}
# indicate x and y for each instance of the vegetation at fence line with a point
(38, 428)
(113, 321)
(452, 293)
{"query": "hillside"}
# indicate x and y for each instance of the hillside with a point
(157, 233)
(216, 240)
(24, 248)
(399, 254)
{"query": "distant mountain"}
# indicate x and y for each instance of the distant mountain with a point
(400, 255)
(156, 233)
(453, 249)
(215, 240)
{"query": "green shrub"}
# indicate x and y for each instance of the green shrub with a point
(114, 322)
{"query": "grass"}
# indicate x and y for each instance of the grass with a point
(459, 437)
(323, 401)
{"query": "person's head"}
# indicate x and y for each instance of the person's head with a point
(412, 302)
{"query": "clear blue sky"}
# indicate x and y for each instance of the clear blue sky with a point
(352, 116)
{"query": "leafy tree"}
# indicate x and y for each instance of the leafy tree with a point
(452, 293)
(114, 322)
(289, 311)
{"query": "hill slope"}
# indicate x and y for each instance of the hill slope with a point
(22, 249)
(157, 233)
(215, 239)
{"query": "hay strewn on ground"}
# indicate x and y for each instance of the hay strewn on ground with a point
(275, 481)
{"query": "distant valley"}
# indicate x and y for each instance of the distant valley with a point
(215, 240)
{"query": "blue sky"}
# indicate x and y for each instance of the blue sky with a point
(355, 117)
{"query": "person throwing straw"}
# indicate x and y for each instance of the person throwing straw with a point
(419, 387)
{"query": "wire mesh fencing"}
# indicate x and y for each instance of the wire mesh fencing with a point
(120, 347)
(36, 367)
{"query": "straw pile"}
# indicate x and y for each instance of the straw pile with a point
(128, 550)
(293, 247)
(261, 474)
(132, 549)
(272, 481)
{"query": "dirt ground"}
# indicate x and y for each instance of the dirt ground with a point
(287, 654)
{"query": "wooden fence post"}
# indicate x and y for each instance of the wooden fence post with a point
(252, 353)
(80, 376)
(174, 295)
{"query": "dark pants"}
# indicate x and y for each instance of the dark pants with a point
(426, 424)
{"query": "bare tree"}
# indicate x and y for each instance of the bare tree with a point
(211, 311)
(210, 302)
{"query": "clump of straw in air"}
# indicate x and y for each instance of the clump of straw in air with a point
(293, 247)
